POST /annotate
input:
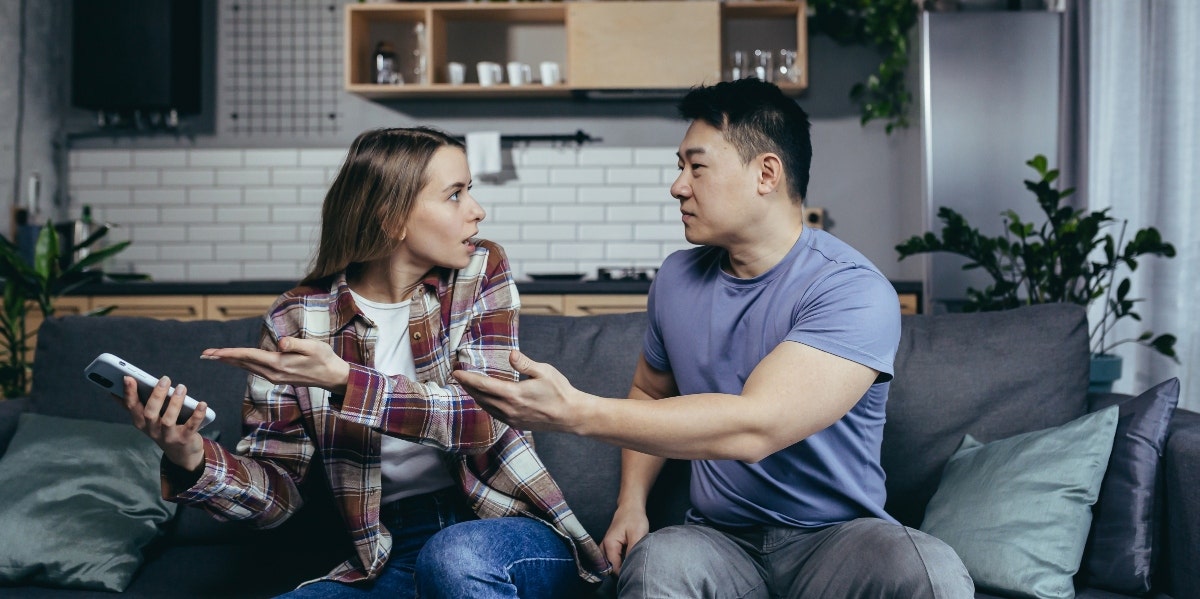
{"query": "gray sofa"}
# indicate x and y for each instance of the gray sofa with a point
(991, 375)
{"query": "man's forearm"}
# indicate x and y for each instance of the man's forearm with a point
(638, 473)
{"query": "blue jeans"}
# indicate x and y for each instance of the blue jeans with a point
(441, 549)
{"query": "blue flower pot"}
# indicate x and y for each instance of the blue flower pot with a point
(1105, 369)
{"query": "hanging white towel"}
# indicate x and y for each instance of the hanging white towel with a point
(483, 152)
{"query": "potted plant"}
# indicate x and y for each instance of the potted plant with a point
(1071, 257)
(36, 285)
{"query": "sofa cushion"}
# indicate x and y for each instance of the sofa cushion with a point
(992, 375)
(1018, 510)
(1120, 554)
(161, 347)
(81, 500)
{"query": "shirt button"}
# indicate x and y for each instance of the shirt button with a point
(417, 336)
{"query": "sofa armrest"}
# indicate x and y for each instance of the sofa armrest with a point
(1182, 471)
(10, 415)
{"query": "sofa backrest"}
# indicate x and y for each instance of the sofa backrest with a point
(68, 344)
(991, 374)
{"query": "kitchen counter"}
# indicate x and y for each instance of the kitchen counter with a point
(277, 287)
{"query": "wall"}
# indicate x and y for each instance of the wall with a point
(188, 201)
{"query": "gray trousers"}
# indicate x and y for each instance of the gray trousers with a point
(862, 558)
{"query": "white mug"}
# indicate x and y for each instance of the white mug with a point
(550, 75)
(456, 73)
(489, 73)
(519, 73)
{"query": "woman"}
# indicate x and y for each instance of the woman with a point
(353, 368)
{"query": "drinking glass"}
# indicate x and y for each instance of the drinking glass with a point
(764, 68)
(789, 72)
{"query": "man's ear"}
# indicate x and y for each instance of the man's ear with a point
(770, 173)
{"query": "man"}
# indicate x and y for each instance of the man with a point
(767, 362)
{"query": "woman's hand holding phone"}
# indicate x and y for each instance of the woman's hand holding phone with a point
(181, 442)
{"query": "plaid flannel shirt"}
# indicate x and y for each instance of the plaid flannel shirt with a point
(459, 319)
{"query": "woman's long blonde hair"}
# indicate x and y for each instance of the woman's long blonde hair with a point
(367, 206)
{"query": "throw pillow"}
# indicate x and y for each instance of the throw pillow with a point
(83, 498)
(1120, 551)
(1018, 510)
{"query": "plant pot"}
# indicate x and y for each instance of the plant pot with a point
(1105, 369)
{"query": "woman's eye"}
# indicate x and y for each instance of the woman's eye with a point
(454, 197)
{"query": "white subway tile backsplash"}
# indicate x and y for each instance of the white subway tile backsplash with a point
(188, 177)
(245, 176)
(299, 176)
(546, 156)
(559, 232)
(86, 178)
(219, 214)
(159, 158)
(190, 214)
(292, 251)
(328, 158)
(130, 216)
(160, 197)
(186, 252)
(633, 175)
(272, 233)
(577, 214)
(215, 195)
(130, 178)
(292, 214)
(142, 234)
(271, 195)
(214, 271)
(272, 157)
(220, 158)
(214, 233)
(605, 156)
(632, 213)
(521, 214)
(606, 195)
(577, 176)
(243, 251)
(661, 157)
(548, 195)
(232, 214)
(103, 197)
(102, 158)
(632, 251)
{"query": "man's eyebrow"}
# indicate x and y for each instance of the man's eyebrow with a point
(690, 152)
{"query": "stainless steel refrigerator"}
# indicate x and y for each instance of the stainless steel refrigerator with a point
(989, 101)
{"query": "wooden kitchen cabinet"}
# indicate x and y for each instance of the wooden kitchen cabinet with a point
(232, 307)
(619, 45)
(553, 305)
(584, 305)
(178, 307)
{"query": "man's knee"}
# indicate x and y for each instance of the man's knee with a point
(688, 561)
(912, 563)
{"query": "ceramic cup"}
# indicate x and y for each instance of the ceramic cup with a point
(549, 72)
(489, 73)
(519, 73)
(456, 73)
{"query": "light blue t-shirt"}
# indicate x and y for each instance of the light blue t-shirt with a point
(710, 330)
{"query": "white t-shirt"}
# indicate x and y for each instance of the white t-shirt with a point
(408, 468)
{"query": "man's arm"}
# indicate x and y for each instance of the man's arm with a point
(638, 472)
(794, 392)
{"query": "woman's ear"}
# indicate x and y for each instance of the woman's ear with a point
(770, 173)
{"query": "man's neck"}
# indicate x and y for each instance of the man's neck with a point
(757, 255)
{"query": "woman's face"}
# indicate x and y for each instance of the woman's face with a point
(444, 217)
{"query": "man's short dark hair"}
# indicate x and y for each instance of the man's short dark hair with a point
(756, 118)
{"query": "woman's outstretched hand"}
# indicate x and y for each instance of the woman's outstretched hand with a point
(299, 362)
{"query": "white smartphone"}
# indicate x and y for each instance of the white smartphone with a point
(108, 371)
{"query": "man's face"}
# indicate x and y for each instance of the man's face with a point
(716, 192)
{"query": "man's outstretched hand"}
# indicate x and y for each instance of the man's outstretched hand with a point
(544, 401)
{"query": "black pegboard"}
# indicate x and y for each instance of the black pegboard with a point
(282, 67)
